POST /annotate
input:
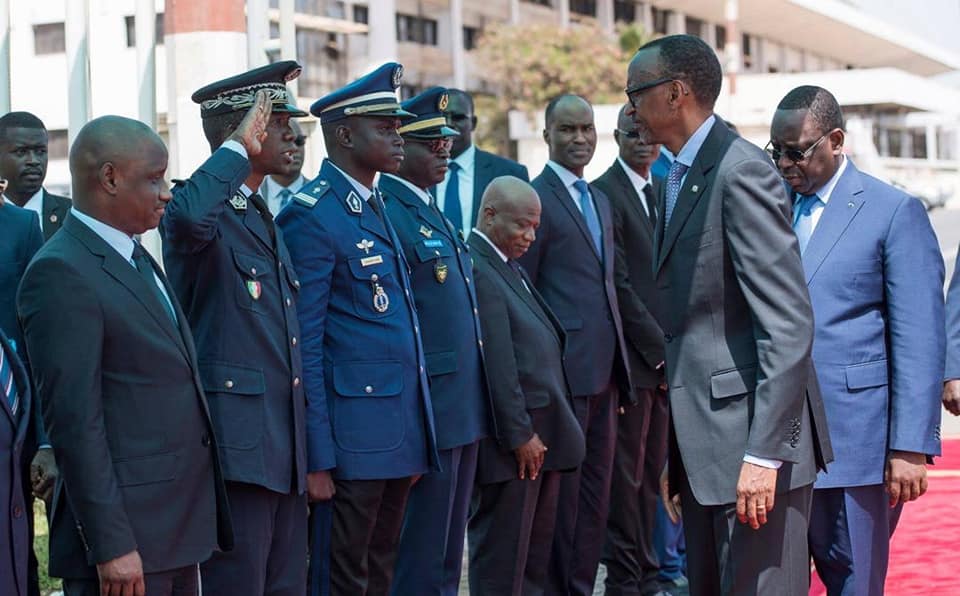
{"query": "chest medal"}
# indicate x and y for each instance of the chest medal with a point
(381, 302)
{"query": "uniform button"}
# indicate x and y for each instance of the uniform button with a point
(17, 511)
(280, 264)
(407, 292)
(289, 302)
(296, 283)
(475, 312)
(228, 384)
(296, 381)
(480, 341)
(416, 329)
(368, 389)
(293, 340)
(458, 251)
(253, 270)
(205, 440)
(467, 278)
(667, 338)
(421, 370)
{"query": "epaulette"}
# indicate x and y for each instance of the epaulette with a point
(310, 198)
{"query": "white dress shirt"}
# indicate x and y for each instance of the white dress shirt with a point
(568, 179)
(467, 162)
(816, 211)
(424, 195)
(500, 254)
(638, 182)
(270, 191)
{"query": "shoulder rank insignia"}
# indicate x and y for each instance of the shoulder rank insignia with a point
(365, 245)
(354, 203)
(239, 202)
(320, 188)
(305, 199)
(426, 232)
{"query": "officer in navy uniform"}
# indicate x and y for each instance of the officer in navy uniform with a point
(369, 417)
(231, 271)
(431, 543)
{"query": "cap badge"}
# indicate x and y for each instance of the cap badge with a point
(442, 102)
(397, 75)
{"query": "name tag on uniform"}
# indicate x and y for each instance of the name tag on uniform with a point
(367, 261)
(433, 243)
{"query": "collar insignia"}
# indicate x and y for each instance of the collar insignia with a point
(354, 203)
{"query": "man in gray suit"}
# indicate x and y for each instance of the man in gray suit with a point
(747, 419)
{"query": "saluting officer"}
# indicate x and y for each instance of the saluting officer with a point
(431, 544)
(231, 271)
(369, 417)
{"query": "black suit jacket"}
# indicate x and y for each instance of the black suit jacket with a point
(488, 166)
(578, 286)
(525, 370)
(14, 533)
(633, 275)
(55, 209)
(125, 411)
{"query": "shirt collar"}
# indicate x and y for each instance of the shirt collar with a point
(465, 160)
(690, 149)
(36, 202)
(490, 242)
(827, 189)
(294, 186)
(364, 192)
(424, 195)
(119, 241)
(566, 176)
(638, 181)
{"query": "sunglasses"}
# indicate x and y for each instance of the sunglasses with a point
(300, 141)
(637, 90)
(795, 155)
(630, 134)
(435, 145)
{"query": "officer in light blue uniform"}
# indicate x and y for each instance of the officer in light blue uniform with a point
(369, 416)
(431, 543)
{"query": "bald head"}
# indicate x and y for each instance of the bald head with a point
(510, 215)
(117, 166)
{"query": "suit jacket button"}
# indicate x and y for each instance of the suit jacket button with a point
(288, 302)
(293, 340)
(205, 440)
(296, 381)
(228, 384)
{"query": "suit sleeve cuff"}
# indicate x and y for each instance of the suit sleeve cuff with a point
(762, 461)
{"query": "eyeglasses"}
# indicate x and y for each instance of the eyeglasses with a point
(300, 141)
(436, 145)
(637, 90)
(795, 155)
(630, 134)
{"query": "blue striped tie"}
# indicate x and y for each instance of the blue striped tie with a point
(590, 215)
(7, 385)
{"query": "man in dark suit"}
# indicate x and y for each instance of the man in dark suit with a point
(140, 500)
(629, 554)
(875, 276)
(471, 169)
(16, 404)
(369, 416)
(230, 269)
(23, 163)
(571, 263)
(431, 543)
(514, 509)
(747, 417)
(21, 240)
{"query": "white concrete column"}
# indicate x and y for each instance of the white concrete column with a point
(605, 15)
(456, 44)
(731, 48)
(646, 17)
(514, 12)
(4, 56)
(76, 30)
(932, 142)
(563, 11)
(288, 37)
(677, 23)
(710, 34)
(258, 32)
(382, 32)
(146, 34)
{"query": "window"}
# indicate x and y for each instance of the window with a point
(408, 91)
(694, 27)
(661, 20)
(625, 11)
(49, 38)
(57, 144)
(584, 7)
(918, 140)
(416, 29)
(470, 37)
(361, 14)
(540, 2)
(747, 51)
(721, 33)
(131, 25)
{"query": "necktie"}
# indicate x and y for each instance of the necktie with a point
(451, 198)
(145, 267)
(589, 214)
(519, 271)
(7, 386)
(284, 195)
(674, 177)
(264, 214)
(803, 220)
(651, 202)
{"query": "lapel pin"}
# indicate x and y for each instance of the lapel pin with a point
(53, 218)
(694, 188)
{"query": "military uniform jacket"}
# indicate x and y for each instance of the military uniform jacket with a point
(239, 292)
(441, 275)
(368, 402)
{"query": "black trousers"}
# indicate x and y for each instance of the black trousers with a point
(176, 582)
(585, 500)
(510, 533)
(269, 557)
(367, 518)
(629, 554)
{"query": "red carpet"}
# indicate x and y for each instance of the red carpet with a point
(925, 551)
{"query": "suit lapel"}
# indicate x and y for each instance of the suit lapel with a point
(398, 191)
(481, 178)
(632, 197)
(563, 196)
(844, 204)
(699, 177)
(53, 214)
(254, 222)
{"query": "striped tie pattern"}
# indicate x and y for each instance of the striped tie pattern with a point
(7, 386)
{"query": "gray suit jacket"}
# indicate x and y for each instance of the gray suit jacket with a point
(738, 325)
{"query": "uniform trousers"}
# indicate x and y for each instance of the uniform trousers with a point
(176, 582)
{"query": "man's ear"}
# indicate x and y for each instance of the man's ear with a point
(473, 122)
(344, 136)
(108, 175)
(836, 141)
(546, 136)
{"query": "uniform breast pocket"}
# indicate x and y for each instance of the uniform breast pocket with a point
(377, 291)
(437, 256)
(251, 279)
